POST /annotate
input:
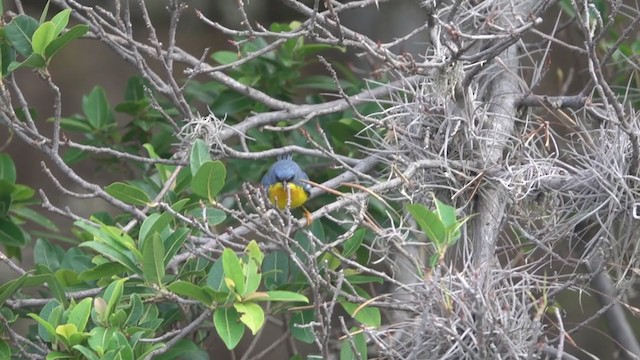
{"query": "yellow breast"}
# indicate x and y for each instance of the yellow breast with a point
(278, 195)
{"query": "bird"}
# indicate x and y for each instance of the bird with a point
(285, 184)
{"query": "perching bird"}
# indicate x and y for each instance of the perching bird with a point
(283, 180)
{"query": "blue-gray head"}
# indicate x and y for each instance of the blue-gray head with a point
(285, 170)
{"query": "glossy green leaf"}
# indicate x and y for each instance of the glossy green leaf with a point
(101, 271)
(33, 61)
(446, 213)
(112, 295)
(135, 311)
(224, 57)
(429, 223)
(43, 35)
(199, 155)
(96, 107)
(228, 326)
(183, 349)
(56, 288)
(302, 333)
(19, 31)
(251, 314)
(7, 169)
(215, 278)
(173, 243)
(10, 233)
(211, 216)
(50, 330)
(185, 288)
(353, 243)
(6, 189)
(5, 350)
(86, 352)
(209, 180)
(355, 346)
(7, 56)
(9, 288)
(79, 315)
(275, 269)
(233, 270)
(154, 223)
(35, 217)
(153, 260)
(113, 254)
(61, 20)
(367, 315)
(128, 194)
(46, 253)
(60, 42)
(281, 295)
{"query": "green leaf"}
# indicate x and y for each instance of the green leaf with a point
(199, 155)
(58, 43)
(55, 286)
(101, 271)
(96, 107)
(153, 260)
(275, 269)
(11, 234)
(224, 57)
(9, 288)
(354, 348)
(353, 243)
(112, 254)
(215, 278)
(19, 31)
(33, 61)
(164, 171)
(79, 315)
(209, 180)
(86, 352)
(212, 216)
(228, 326)
(252, 315)
(305, 333)
(154, 224)
(51, 332)
(253, 277)
(36, 218)
(254, 252)
(429, 223)
(446, 213)
(48, 254)
(5, 350)
(280, 295)
(367, 315)
(185, 288)
(183, 349)
(7, 169)
(7, 56)
(42, 37)
(112, 295)
(127, 193)
(173, 243)
(61, 20)
(6, 189)
(233, 270)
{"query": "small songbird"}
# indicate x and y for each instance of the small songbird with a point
(283, 180)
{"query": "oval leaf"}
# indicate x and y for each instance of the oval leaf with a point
(228, 326)
(128, 194)
(209, 180)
